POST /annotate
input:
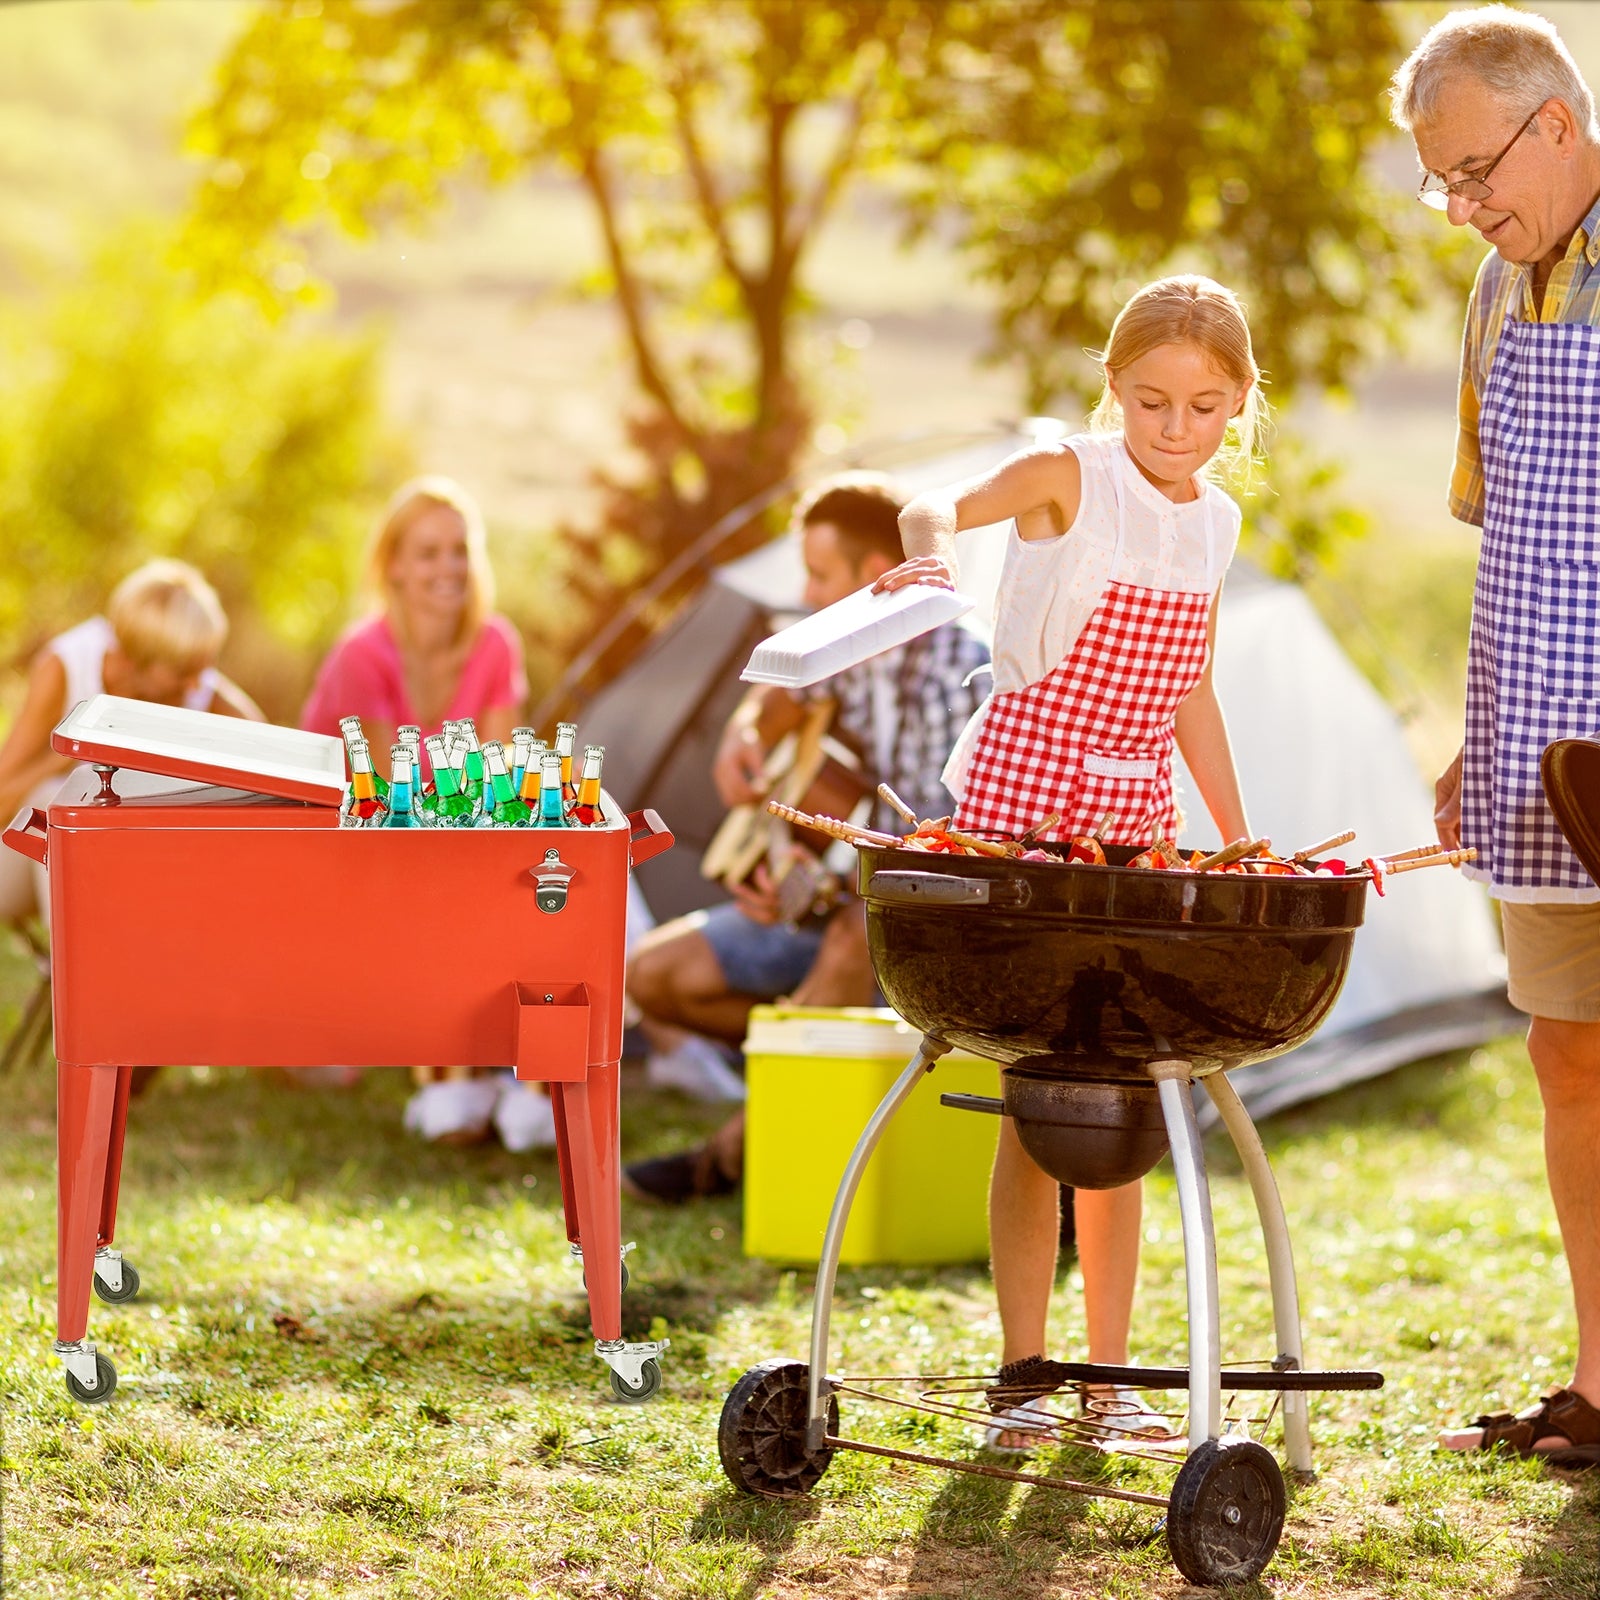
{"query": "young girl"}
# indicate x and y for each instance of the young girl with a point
(1105, 622)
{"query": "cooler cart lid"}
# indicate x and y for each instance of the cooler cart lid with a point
(231, 752)
(851, 631)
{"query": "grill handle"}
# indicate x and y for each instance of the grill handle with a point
(974, 1102)
(28, 832)
(942, 889)
(648, 836)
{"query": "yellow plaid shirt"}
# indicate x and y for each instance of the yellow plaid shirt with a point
(1505, 289)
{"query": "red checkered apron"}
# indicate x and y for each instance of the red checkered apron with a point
(1095, 734)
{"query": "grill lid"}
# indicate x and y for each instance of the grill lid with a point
(175, 742)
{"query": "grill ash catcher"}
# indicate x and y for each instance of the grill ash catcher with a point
(1105, 993)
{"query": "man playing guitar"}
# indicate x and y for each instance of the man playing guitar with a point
(900, 712)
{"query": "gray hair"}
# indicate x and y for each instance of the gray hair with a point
(1518, 57)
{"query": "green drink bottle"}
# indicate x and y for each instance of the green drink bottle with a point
(552, 811)
(501, 807)
(402, 790)
(445, 804)
(472, 763)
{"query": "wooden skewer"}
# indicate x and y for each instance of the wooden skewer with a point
(832, 826)
(1445, 858)
(984, 847)
(1104, 825)
(1237, 851)
(1327, 844)
(1043, 825)
(1413, 855)
(895, 803)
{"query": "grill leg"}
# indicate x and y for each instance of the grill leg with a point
(928, 1052)
(1280, 1263)
(1199, 1250)
(85, 1109)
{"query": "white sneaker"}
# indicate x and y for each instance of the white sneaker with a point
(697, 1068)
(462, 1106)
(524, 1117)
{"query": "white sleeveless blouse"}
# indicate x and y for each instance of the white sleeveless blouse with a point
(82, 653)
(1049, 588)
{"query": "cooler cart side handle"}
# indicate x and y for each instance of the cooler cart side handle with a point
(648, 836)
(29, 831)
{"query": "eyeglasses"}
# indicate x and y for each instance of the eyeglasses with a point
(1437, 193)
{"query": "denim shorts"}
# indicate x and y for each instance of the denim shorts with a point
(759, 958)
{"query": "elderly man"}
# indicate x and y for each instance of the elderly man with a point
(1505, 131)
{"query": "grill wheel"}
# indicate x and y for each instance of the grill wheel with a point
(1226, 1512)
(762, 1435)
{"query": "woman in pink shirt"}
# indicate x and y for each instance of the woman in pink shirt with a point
(436, 649)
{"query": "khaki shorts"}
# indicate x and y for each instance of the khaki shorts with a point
(1553, 959)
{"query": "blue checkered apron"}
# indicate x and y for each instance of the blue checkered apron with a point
(1533, 661)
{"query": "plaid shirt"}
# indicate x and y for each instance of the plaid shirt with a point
(930, 693)
(1504, 289)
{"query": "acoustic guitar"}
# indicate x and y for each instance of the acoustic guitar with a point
(812, 772)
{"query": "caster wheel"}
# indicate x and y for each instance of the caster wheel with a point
(649, 1382)
(119, 1297)
(1226, 1512)
(586, 1278)
(105, 1385)
(762, 1435)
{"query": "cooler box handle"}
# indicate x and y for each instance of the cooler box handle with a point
(649, 836)
(29, 830)
(552, 1032)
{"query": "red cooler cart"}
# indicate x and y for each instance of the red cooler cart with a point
(208, 909)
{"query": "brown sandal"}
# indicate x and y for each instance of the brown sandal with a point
(1561, 1415)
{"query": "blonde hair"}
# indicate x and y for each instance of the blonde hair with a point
(1517, 57)
(165, 612)
(411, 501)
(1189, 310)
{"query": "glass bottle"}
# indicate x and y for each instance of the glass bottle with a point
(521, 744)
(566, 743)
(444, 803)
(552, 811)
(365, 803)
(501, 807)
(350, 727)
(472, 762)
(408, 733)
(586, 811)
(402, 811)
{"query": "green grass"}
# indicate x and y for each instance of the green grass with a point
(362, 1367)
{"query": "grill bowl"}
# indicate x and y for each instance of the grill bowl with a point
(1104, 969)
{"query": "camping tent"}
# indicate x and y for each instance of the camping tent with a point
(1318, 751)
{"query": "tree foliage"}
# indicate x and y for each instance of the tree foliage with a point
(137, 419)
(1098, 144)
(1077, 147)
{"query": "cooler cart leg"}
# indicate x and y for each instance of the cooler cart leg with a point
(928, 1052)
(1280, 1264)
(569, 1200)
(1199, 1250)
(591, 1114)
(85, 1101)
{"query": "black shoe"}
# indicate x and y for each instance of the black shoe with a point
(690, 1175)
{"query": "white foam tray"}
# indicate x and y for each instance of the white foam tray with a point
(851, 631)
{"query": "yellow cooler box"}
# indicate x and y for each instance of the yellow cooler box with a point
(814, 1077)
